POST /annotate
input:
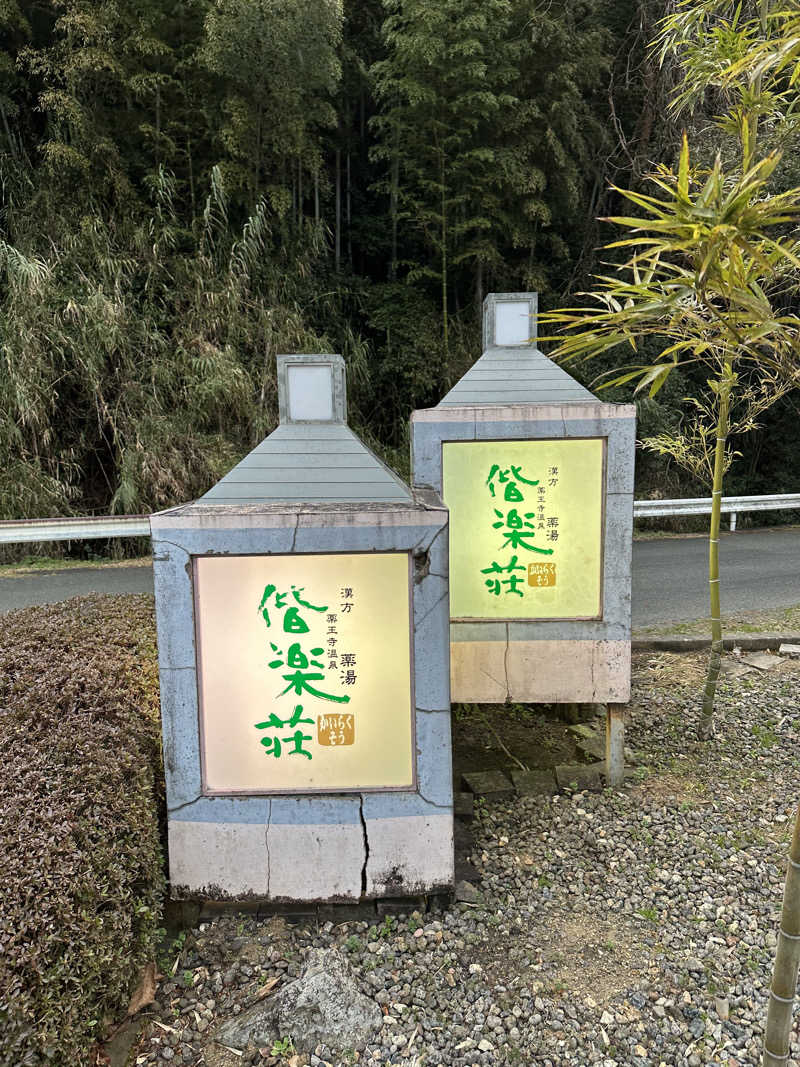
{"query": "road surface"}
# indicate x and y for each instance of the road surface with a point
(47, 587)
(760, 571)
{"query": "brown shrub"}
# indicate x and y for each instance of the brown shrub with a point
(81, 871)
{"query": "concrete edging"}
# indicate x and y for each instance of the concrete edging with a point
(748, 642)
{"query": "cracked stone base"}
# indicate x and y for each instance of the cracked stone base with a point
(409, 856)
(540, 672)
(380, 857)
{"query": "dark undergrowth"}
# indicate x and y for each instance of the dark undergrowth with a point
(81, 797)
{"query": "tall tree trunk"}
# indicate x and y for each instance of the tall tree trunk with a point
(190, 165)
(787, 962)
(479, 291)
(257, 162)
(11, 143)
(393, 202)
(444, 262)
(715, 659)
(316, 197)
(300, 193)
(348, 214)
(158, 126)
(338, 224)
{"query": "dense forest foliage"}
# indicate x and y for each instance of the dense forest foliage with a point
(189, 187)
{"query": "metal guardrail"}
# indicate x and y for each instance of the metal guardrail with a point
(731, 505)
(20, 531)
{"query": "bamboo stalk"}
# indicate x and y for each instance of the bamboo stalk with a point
(787, 963)
(715, 659)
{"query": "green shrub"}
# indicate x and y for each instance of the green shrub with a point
(81, 871)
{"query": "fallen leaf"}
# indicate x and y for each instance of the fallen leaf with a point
(145, 992)
(163, 1026)
(267, 988)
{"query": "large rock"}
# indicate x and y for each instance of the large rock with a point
(322, 1007)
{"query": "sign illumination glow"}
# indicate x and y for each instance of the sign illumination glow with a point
(526, 528)
(304, 667)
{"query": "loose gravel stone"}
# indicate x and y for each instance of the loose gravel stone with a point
(619, 929)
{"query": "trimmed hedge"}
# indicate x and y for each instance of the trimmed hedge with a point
(81, 870)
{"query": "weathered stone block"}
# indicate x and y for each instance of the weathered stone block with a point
(488, 783)
(534, 783)
(580, 776)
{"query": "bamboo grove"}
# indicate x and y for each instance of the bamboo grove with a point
(187, 188)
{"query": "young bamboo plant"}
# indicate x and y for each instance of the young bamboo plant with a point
(776, 58)
(787, 962)
(710, 262)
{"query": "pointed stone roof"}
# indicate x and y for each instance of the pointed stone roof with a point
(516, 376)
(311, 463)
(313, 456)
(512, 370)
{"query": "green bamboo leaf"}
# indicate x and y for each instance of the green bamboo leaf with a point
(683, 169)
(655, 379)
(623, 379)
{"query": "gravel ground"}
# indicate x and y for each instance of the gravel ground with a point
(630, 928)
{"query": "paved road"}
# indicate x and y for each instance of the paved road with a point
(47, 587)
(760, 570)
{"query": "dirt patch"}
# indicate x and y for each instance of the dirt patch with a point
(48, 565)
(687, 670)
(663, 789)
(507, 737)
(233, 939)
(576, 954)
(219, 1056)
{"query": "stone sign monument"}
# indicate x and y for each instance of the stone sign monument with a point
(537, 474)
(303, 645)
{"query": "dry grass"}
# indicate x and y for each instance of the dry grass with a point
(782, 620)
(669, 669)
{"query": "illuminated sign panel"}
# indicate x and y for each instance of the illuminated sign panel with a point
(304, 671)
(512, 322)
(526, 528)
